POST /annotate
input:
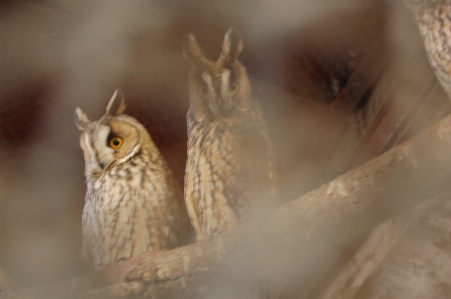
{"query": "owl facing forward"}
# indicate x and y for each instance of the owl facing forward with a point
(229, 173)
(133, 203)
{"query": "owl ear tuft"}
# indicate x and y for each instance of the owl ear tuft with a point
(232, 45)
(81, 119)
(116, 106)
(191, 50)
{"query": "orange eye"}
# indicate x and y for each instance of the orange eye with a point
(116, 142)
(234, 87)
(202, 90)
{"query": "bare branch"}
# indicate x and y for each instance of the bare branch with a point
(380, 244)
(295, 236)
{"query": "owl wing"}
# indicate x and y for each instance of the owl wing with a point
(192, 192)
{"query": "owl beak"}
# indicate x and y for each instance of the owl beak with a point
(221, 107)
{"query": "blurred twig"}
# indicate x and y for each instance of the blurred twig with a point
(329, 216)
(6, 283)
(9, 288)
(378, 246)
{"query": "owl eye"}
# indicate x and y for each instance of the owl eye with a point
(202, 90)
(116, 142)
(234, 87)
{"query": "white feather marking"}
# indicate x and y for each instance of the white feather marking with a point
(88, 146)
(132, 153)
(225, 81)
(105, 153)
(92, 165)
(208, 81)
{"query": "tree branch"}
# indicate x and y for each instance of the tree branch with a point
(381, 242)
(296, 236)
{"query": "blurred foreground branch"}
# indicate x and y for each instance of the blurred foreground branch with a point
(295, 236)
(421, 234)
(7, 285)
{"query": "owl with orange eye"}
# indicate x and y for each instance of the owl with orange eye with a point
(133, 203)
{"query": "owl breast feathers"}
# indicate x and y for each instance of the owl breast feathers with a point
(434, 20)
(229, 173)
(133, 203)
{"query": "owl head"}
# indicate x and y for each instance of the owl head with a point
(112, 140)
(217, 88)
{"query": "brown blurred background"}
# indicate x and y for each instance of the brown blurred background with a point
(339, 81)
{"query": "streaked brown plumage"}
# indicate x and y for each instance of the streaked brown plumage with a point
(409, 256)
(433, 18)
(133, 203)
(229, 173)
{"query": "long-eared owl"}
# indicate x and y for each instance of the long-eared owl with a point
(229, 173)
(133, 203)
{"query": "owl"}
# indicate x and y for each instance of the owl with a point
(229, 175)
(433, 18)
(133, 203)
